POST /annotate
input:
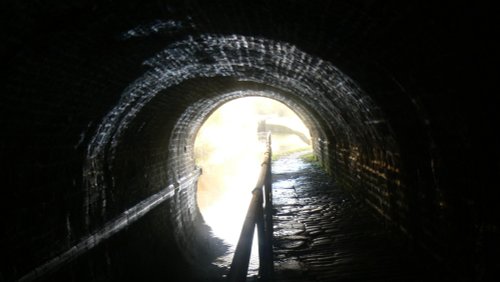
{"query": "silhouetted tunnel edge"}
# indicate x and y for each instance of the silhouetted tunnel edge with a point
(64, 108)
(350, 136)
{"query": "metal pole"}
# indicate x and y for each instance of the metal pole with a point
(262, 217)
(239, 265)
(268, 215)
(261, 232)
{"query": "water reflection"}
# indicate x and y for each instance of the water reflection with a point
(229, 151)
(291, 164)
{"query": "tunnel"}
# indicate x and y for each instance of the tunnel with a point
(102, 100)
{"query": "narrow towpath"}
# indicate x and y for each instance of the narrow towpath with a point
(323, 234)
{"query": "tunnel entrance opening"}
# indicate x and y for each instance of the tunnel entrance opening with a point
(229, 149)
(128, 152)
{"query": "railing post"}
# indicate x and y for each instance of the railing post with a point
(239, 265)
(260, 214)
(261, 233)
(267, 256)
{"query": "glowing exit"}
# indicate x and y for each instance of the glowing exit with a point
(229, 151)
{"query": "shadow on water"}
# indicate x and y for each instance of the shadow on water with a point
(210, 248)
(221, 259)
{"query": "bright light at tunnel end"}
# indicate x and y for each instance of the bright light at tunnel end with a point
(229, 151)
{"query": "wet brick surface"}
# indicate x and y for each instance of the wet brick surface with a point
(323, 234)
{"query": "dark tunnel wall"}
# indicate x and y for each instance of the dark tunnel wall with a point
(101, 102)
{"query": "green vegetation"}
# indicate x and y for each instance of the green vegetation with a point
(309, 157)
(280, 154)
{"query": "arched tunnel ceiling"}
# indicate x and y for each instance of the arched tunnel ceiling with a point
(196, 75)
(322, 92)
(96, 90)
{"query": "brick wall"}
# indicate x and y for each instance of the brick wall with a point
(101, 103)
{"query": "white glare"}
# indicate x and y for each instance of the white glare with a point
(228, 150)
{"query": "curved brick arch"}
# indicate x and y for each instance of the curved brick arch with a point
(99, 102)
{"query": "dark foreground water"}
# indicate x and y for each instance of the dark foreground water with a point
(321, 233)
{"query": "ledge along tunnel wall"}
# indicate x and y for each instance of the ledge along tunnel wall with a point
(101, 103)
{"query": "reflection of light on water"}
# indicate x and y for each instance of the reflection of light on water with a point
(228, 150)
(287, 183)
(291, 164)
(226, 214)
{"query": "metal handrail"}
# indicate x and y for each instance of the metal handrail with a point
(259, 214)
